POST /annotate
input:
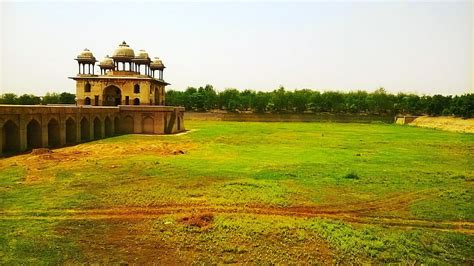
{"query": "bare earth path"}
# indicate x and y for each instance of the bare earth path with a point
(357, 215)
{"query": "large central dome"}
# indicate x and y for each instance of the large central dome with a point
(123, 52)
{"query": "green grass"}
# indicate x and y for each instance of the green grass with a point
(406, 173)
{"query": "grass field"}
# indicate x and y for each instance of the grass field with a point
(230, 192)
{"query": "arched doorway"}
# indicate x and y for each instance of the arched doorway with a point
(33, 134)
(11, 137)
(87, 101)
(53, 133)
(70, 131)
(97, 128)
(108, 127)
(85, 130)
(127, 125)
(117, 125)
(112, 96)
(136, 101)
(148, 125)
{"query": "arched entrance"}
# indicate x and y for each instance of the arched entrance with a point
(108, 127)
(70, 131)
(117, 125)
(97, 128)
(127, 125)
(112, 96)
(11, 137)
(85, 130)
(33, 134)
(136, 101)
(148, 125)
(53, 133)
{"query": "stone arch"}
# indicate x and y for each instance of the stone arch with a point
(136, 101)
(97, 128)
(87, 101)
(117, 125)
(112, 96)
(53, 133)
(87, 87)
(85, 129)
(11, 137)
(148, 125)
(108, 127)
(71, 131)
(33, 134)
(127, 125)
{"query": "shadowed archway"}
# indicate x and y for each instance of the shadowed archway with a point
(53, 133)
(33, 134)
(11, 137)
(112, 96)
(108, 127)
(70, 131)
(97, 128)
(127, 125)
(117, 126)
(85, 129)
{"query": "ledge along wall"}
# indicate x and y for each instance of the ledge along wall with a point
(25, 127)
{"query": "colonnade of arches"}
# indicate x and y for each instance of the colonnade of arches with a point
(54, 135)
(54, 132)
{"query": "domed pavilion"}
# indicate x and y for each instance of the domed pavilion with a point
(125, 78)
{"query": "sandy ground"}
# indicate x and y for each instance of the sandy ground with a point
(448, 123)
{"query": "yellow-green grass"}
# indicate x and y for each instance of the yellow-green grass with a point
(276, 192)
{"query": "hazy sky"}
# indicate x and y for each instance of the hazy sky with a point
(424, 47)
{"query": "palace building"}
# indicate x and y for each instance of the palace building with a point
(125, 78)
(127, 97)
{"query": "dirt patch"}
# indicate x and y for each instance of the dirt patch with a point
(200, 220)
(41, 151)
(447, 123)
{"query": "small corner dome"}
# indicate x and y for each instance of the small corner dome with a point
(123, 52)
(142, 54)
(107, 61)
(86, 54)
(157, 64)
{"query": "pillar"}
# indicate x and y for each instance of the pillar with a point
(44, 135)
(22, 129)
(78, 127)
(102, 129)
(91, 128)
(62, 130)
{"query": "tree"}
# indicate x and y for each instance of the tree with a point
(229, 99)
(29, 99)
(51, 98)
(299, 100)
(261, 102)
(67, 98)
(279, 100)
(9, 98)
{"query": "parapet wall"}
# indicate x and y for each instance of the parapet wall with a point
(26, 127)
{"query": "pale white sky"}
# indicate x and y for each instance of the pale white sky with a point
(423, 47)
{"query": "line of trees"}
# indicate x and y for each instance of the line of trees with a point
(299, 101)
(30, 99)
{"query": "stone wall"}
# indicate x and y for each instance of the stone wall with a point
(30, 126)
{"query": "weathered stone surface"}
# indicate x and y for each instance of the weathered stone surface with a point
(25, 127)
